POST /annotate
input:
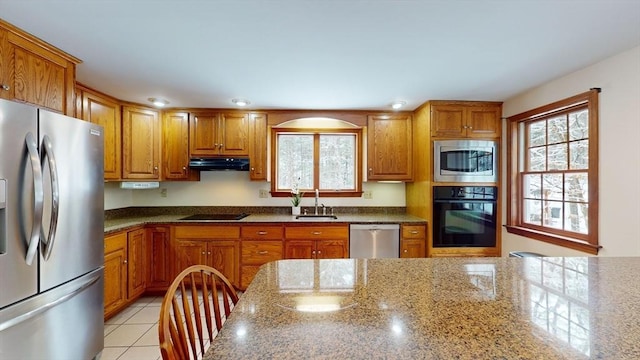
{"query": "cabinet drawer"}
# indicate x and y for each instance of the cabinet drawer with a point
(262, 232)
(207, 232)
(115, 241)
(317, 232)
(413, 231)
(260, 252)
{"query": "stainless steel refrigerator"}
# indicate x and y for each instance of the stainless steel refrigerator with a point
(51, 235)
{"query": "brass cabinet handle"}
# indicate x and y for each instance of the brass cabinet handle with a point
(5, 87)
(262, 232)
(316, 233)
(263, 252)
(414, 231)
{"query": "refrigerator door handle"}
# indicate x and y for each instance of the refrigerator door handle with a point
(70, 290)
(38, 197)
(47, 153)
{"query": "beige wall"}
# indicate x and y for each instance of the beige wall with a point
(619, 131)
(233, 188)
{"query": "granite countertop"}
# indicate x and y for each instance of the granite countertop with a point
(123, 223)
(455, 308)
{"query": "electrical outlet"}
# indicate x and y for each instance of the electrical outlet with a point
(367, 194)
(264, 193)
(163, 192)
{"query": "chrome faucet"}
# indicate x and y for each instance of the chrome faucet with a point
(317, 196)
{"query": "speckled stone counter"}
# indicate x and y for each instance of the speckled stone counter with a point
(458, 308)
(123, 223)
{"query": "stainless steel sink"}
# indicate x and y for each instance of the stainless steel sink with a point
(314, 216)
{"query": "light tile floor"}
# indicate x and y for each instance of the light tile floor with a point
(133, 333)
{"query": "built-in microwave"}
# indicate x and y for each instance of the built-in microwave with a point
(465, 161)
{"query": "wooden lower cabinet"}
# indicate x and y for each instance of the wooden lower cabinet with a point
(115, 273)
(160, 257)
(216, 246)
(413, 241)
(260, 244)
(316, 242)
(136, 263)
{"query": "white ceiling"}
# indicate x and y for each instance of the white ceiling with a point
(348, 54)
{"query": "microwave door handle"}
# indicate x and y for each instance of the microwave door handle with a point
(47, 153)
(38, 197)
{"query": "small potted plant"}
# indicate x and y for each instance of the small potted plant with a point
(296, 198)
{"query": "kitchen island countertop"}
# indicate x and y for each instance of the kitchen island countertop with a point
(455, 308)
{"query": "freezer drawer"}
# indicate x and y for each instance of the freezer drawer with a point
(374, 241)
(63, 323)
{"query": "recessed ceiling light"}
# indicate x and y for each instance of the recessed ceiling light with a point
(398, 104)
(158, 102)
(240, 102)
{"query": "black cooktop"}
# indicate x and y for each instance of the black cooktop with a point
(215, 217)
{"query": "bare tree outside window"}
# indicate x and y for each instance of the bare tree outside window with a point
(328, 160)
(553, 166)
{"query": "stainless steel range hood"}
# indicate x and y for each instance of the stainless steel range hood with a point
(220, 163)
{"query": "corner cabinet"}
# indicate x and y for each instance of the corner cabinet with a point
(175, 145)
(389, 148)
(35, 72)
(159, 257)
(100, 109)
(465, 119)
(140, 143)
(219, 133)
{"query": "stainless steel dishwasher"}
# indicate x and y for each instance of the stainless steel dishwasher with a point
(374, 241)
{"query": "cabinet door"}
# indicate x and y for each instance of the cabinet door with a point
(141, 143)
(332, 249)
(190, 252)
(448, 121)
(299, 249)
(258, 146)
(137, 264)
(224, 256)
(389, 153)
(6, 74)
(115, 273)
(234, 134)
(159, 258)
(176, 147)
(483, 122)
(412, 248)
(203, 134)
(106, 112)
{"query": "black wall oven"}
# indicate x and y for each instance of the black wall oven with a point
(464, 216)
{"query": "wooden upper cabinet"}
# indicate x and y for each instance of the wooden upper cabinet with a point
(35, 72)
(175, 145)
(105, 111)
(389, 149)
(234, 134)
(258, 146)
(140, 143)
(460, 120)
(216, 133)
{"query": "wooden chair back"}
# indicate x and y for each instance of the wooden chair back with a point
(198, 297)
